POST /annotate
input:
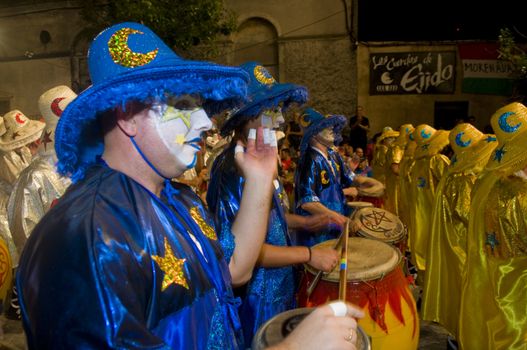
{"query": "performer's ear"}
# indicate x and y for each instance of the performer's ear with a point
(127, 123)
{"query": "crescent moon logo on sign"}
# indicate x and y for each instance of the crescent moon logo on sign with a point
(460, 142)
(424, 135)
(123, 55)
(386, 79)
(55, 108)
(504, 124)
(18, 119)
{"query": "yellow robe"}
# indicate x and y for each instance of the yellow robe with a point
(378, 161)
(446, 253)
(425, 176)
(493, 312)
(392, 192)
(405, 186)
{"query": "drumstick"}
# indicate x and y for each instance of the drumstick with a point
(314, 283)
(343, 280)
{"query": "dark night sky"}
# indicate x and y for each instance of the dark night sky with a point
(439, 20)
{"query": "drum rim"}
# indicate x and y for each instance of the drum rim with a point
(260, 332)
(395, 266)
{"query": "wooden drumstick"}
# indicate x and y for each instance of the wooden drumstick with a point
(343, 280)
(314, 283)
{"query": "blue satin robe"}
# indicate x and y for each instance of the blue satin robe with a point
(91, 274)
(270, 290)
(321, 180)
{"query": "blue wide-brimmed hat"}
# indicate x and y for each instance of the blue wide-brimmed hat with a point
(128, 62)
(313, 122)
(264, 93)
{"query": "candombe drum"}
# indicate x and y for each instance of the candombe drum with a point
(376, 283)
(372, 195)
(277, 328)
(382, 225)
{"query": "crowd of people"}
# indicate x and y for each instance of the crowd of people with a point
(173, 202)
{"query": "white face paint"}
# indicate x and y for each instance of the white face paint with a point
(180, 130)
(327, 136)
(272, 118)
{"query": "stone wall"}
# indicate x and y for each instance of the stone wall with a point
(326, 68)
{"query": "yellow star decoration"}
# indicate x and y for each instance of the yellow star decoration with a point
(172, 267)
(180, 139)
(173, 113)
(205, 228)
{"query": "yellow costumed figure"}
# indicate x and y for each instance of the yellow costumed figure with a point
(494, 298)
(447, 244)
(379, 154)
(393, 159)
(428, 169)
(405, 167)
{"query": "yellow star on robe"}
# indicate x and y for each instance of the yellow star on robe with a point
(172, 267)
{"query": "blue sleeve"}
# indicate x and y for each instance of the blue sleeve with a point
(307, 181)
(223, 198)
(346, 175)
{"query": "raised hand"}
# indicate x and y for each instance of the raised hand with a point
(258, 161)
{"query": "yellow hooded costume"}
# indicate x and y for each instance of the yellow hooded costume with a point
(394, 156)
(428, 169)
(493, 313)
(446, 253)
(379, 154)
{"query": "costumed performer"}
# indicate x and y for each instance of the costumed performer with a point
(394, 155)
(382, 145)
(447, 245)
(39, 184)
(492, 312)
(126, 258)
(428, 169)
(322, 180)
(272, 287)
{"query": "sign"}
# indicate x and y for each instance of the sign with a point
(483, 73)
(413, 73)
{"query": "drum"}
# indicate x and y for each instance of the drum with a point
(359, 205)
(377, 284)
(382, 225)
(277, 328)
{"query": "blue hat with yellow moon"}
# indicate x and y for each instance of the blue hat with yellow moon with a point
(128, 62)
(313, 122)
(510, 126)
(264, 93)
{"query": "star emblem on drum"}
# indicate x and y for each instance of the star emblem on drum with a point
(172, 267)
(375, 219)
(491, 240)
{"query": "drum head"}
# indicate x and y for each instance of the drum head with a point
(379, 224)
(277, 328)
(368, 259)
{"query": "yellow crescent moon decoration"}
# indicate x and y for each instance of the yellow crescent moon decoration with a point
(121, 53)
(304, 122)
(262, 75)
